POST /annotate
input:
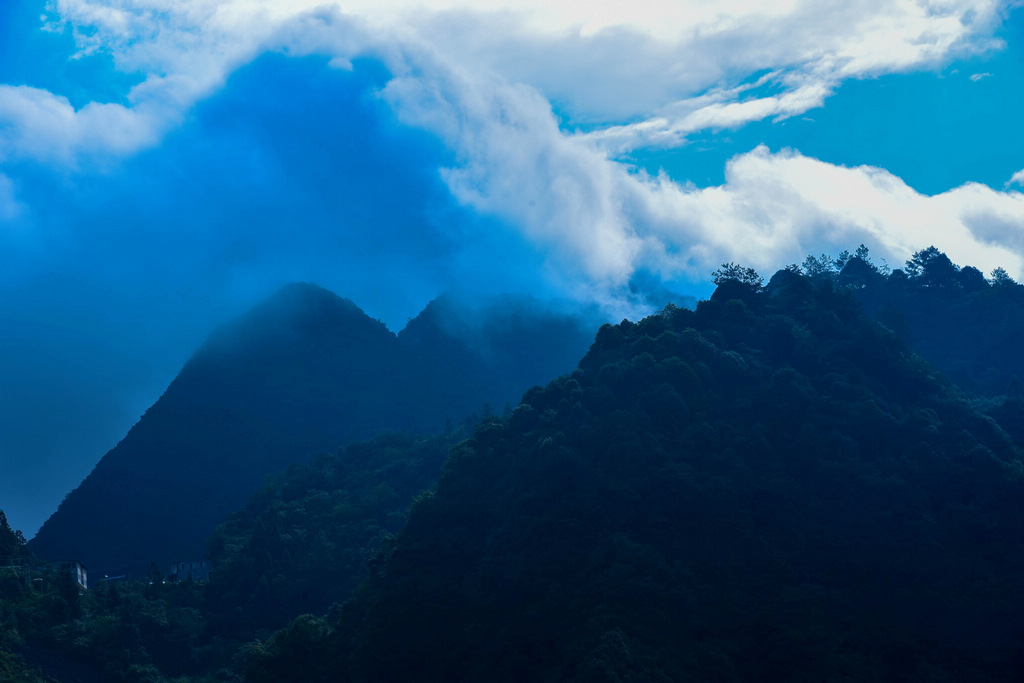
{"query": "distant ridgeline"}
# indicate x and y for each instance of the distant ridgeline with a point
(304, 372)
(771, 487)
(968, 327)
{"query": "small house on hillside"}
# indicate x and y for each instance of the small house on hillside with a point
(77, 570)
(182, 571)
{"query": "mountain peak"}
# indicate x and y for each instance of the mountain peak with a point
(304, 372)
(299, 301)
(307, 294)
(298, 311)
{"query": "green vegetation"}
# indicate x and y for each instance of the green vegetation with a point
(966, 326)
(14, 574)
(817, 478)
(117, 631)
(769, 487)
(304, 540)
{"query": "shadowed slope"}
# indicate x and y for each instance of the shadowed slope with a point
(305, 371)
(769, 488)
(299, 373)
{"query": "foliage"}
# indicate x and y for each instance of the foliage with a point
(12, 542)
(968, 328)
(303, 540)
(736, 273)
(115, 632)
(932, 268)
(15, 572)
(772, 486)
(765, 488)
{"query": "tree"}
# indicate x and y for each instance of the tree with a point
(972, 279)
(12, 542)
(858, 272)
(843, 258)
(734, 272)
(932, 268)
(1001, 277)
(823, 266)
(862, 253)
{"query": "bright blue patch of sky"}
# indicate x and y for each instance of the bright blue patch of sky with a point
(935, 130)
(46, 59)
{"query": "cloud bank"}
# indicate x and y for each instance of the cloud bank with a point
(392, 150)
(537, 100)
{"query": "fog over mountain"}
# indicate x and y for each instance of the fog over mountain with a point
(815, 475)
(768, 465)
(167, 164)
(304, 372)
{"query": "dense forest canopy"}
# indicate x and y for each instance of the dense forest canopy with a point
(771, 486)
(814, 478)
(967, 326)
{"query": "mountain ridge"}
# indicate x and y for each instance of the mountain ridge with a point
(771, 487)
(306, 371)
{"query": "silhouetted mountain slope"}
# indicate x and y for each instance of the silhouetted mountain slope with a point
(305, 371)
(974, 336)
(968, 327)
(485, 348)
(769, 488)
(305, 538)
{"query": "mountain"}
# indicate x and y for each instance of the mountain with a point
(485, 348)
(304, 372)
(304, 540)
(771, 487)
(966, 326)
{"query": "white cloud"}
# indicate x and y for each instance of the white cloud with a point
(483, 77)
(716, 110)
(1016, 179)
(42, 126)
(599, 222)
(518, 165)
(776, 208)
(647, 61)
(978, 77)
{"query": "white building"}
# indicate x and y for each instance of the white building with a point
(182, 571)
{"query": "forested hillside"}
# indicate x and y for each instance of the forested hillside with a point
(777, 485)
(967, 326)
(771, 487)
(303, 543)
(307, 538)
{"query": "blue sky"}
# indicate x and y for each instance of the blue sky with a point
(164, 165)
(936, 129)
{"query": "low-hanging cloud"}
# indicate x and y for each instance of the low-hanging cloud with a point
(774, 208)
(600, 221)
(494, 82)
(449, 143)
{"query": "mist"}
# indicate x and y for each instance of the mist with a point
(117, 274)
(165, 166)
